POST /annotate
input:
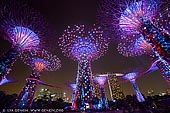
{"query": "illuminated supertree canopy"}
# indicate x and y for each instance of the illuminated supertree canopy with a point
(80, 43)
(39, 60)
(144, 19)
(25, 28)
(140, 17)
(84, 45)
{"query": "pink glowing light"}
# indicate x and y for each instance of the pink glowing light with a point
(101, 80)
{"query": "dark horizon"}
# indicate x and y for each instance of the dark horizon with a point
(60, 14)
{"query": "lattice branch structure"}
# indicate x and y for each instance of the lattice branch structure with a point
(39, 61)
(144, 21)
(84, 44)
(25, 29)
(132, 78)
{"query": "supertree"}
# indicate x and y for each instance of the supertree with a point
(83, 45)
(101, 80)
(143, 21)
(40, 61)
(25, 29)
(132, 78)
(139, 47)
(73, 86)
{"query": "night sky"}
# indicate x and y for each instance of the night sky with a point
(60, 14)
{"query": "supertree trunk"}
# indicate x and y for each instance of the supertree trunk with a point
(104, 99)
(25, 98)
(163, 65)
(73, 98)
(84, 90)
(7, 60)
(159, 39)
(138, 93)
(164, 68)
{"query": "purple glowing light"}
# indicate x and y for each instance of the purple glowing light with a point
(25, 27)
(135, 13)
(84, 45)
(41, 60)
(83, 49)
(73, 86)
(24, 38)
(81, 43)
(4, 80)
(153, 67)
(145, 18)
(101, 80)
(134, 47)
(131, 76)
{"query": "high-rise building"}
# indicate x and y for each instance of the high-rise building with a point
(150, 92)
(97, 90)
(115, 89)
(45, 95)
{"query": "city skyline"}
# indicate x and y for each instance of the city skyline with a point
(60, 14)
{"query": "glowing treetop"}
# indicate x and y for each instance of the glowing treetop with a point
(41, 60)
(101, 80)
(25, 27)
(82, 43)
(146, 18)
(141, 18)
(137, 12)
(131, 76)
(143, 21)
(24, 38)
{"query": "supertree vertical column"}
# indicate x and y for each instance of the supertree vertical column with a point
(132, 78)
(40, 61)
(101, 80)
(84, 45)
(25, 28)
(73, 86)
(148, 19)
